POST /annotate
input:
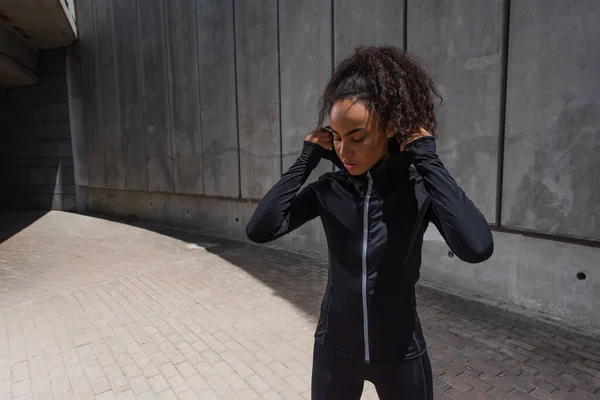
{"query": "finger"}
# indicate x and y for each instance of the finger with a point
(323, 134)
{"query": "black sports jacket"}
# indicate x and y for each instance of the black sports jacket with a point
(374, 225)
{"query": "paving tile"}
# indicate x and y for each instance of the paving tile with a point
(98, 309)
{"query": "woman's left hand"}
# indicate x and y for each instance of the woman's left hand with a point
(421, 133)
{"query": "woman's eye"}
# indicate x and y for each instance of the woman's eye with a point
(337, 139)
(359, 139)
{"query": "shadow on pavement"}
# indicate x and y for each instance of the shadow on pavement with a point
(14, 221)
(502, 351)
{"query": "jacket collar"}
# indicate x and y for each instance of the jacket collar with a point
(395, 167)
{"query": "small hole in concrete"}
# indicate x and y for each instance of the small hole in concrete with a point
(581, 276)
(187, 211)
(237, 220)
(150, 204)
(450, 254)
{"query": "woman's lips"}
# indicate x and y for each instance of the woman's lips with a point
(349, 165)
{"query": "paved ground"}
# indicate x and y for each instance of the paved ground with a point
(97, 309)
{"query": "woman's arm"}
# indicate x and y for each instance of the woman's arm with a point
(462, 225)
(285, 207)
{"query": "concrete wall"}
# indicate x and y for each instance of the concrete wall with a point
(553, 119)
(43, 24)
(192, 109)
(36, 163)
(465, 59)
(18, 61)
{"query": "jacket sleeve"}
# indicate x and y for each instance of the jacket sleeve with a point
(286, 207)
(462, 225)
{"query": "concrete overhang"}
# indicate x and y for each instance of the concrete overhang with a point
(26, 27)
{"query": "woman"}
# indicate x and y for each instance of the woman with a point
(374, 210)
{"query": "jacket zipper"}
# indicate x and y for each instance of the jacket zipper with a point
(364, 267)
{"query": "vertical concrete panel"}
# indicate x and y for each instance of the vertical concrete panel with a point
(159, 156)
(130, 94)
(81, 169)
(185, 107)
(87, 43)
(216, 58)
(552, 169)
(305, 62)
(365, 23)
(108, 97)
(77, 133)
(461, 45)
(258, 95)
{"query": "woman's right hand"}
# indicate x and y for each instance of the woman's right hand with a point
(322, 138)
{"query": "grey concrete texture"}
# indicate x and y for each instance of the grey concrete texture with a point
(43, 23)
(39, 176)
(155, 89)
(540, 276)
(59, 148)
(464, 56)
(36, 162)
(257, 70)
(184, 101)
(218, 94)
(168, 59)
(271, 62)
(219, 217)
(87, 44)
(367, 23)
(266, 80)
(19, 52)
(13, 74)
(551, 179)
(108, 102)
(76, 124)
(537, 276)
(95, 309)
(14, 114)
(129, 81)
(44, 131)
(305, 46)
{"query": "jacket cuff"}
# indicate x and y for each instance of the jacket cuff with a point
(422, 145)
(312, 152)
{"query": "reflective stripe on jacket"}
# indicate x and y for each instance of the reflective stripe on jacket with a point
(374, 225)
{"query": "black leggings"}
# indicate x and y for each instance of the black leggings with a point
(336, 377)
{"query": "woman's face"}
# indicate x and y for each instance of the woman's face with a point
(357, 138)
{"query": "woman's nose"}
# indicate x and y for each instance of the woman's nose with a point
(345, 151)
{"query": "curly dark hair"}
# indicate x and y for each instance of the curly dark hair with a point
(391, 83)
